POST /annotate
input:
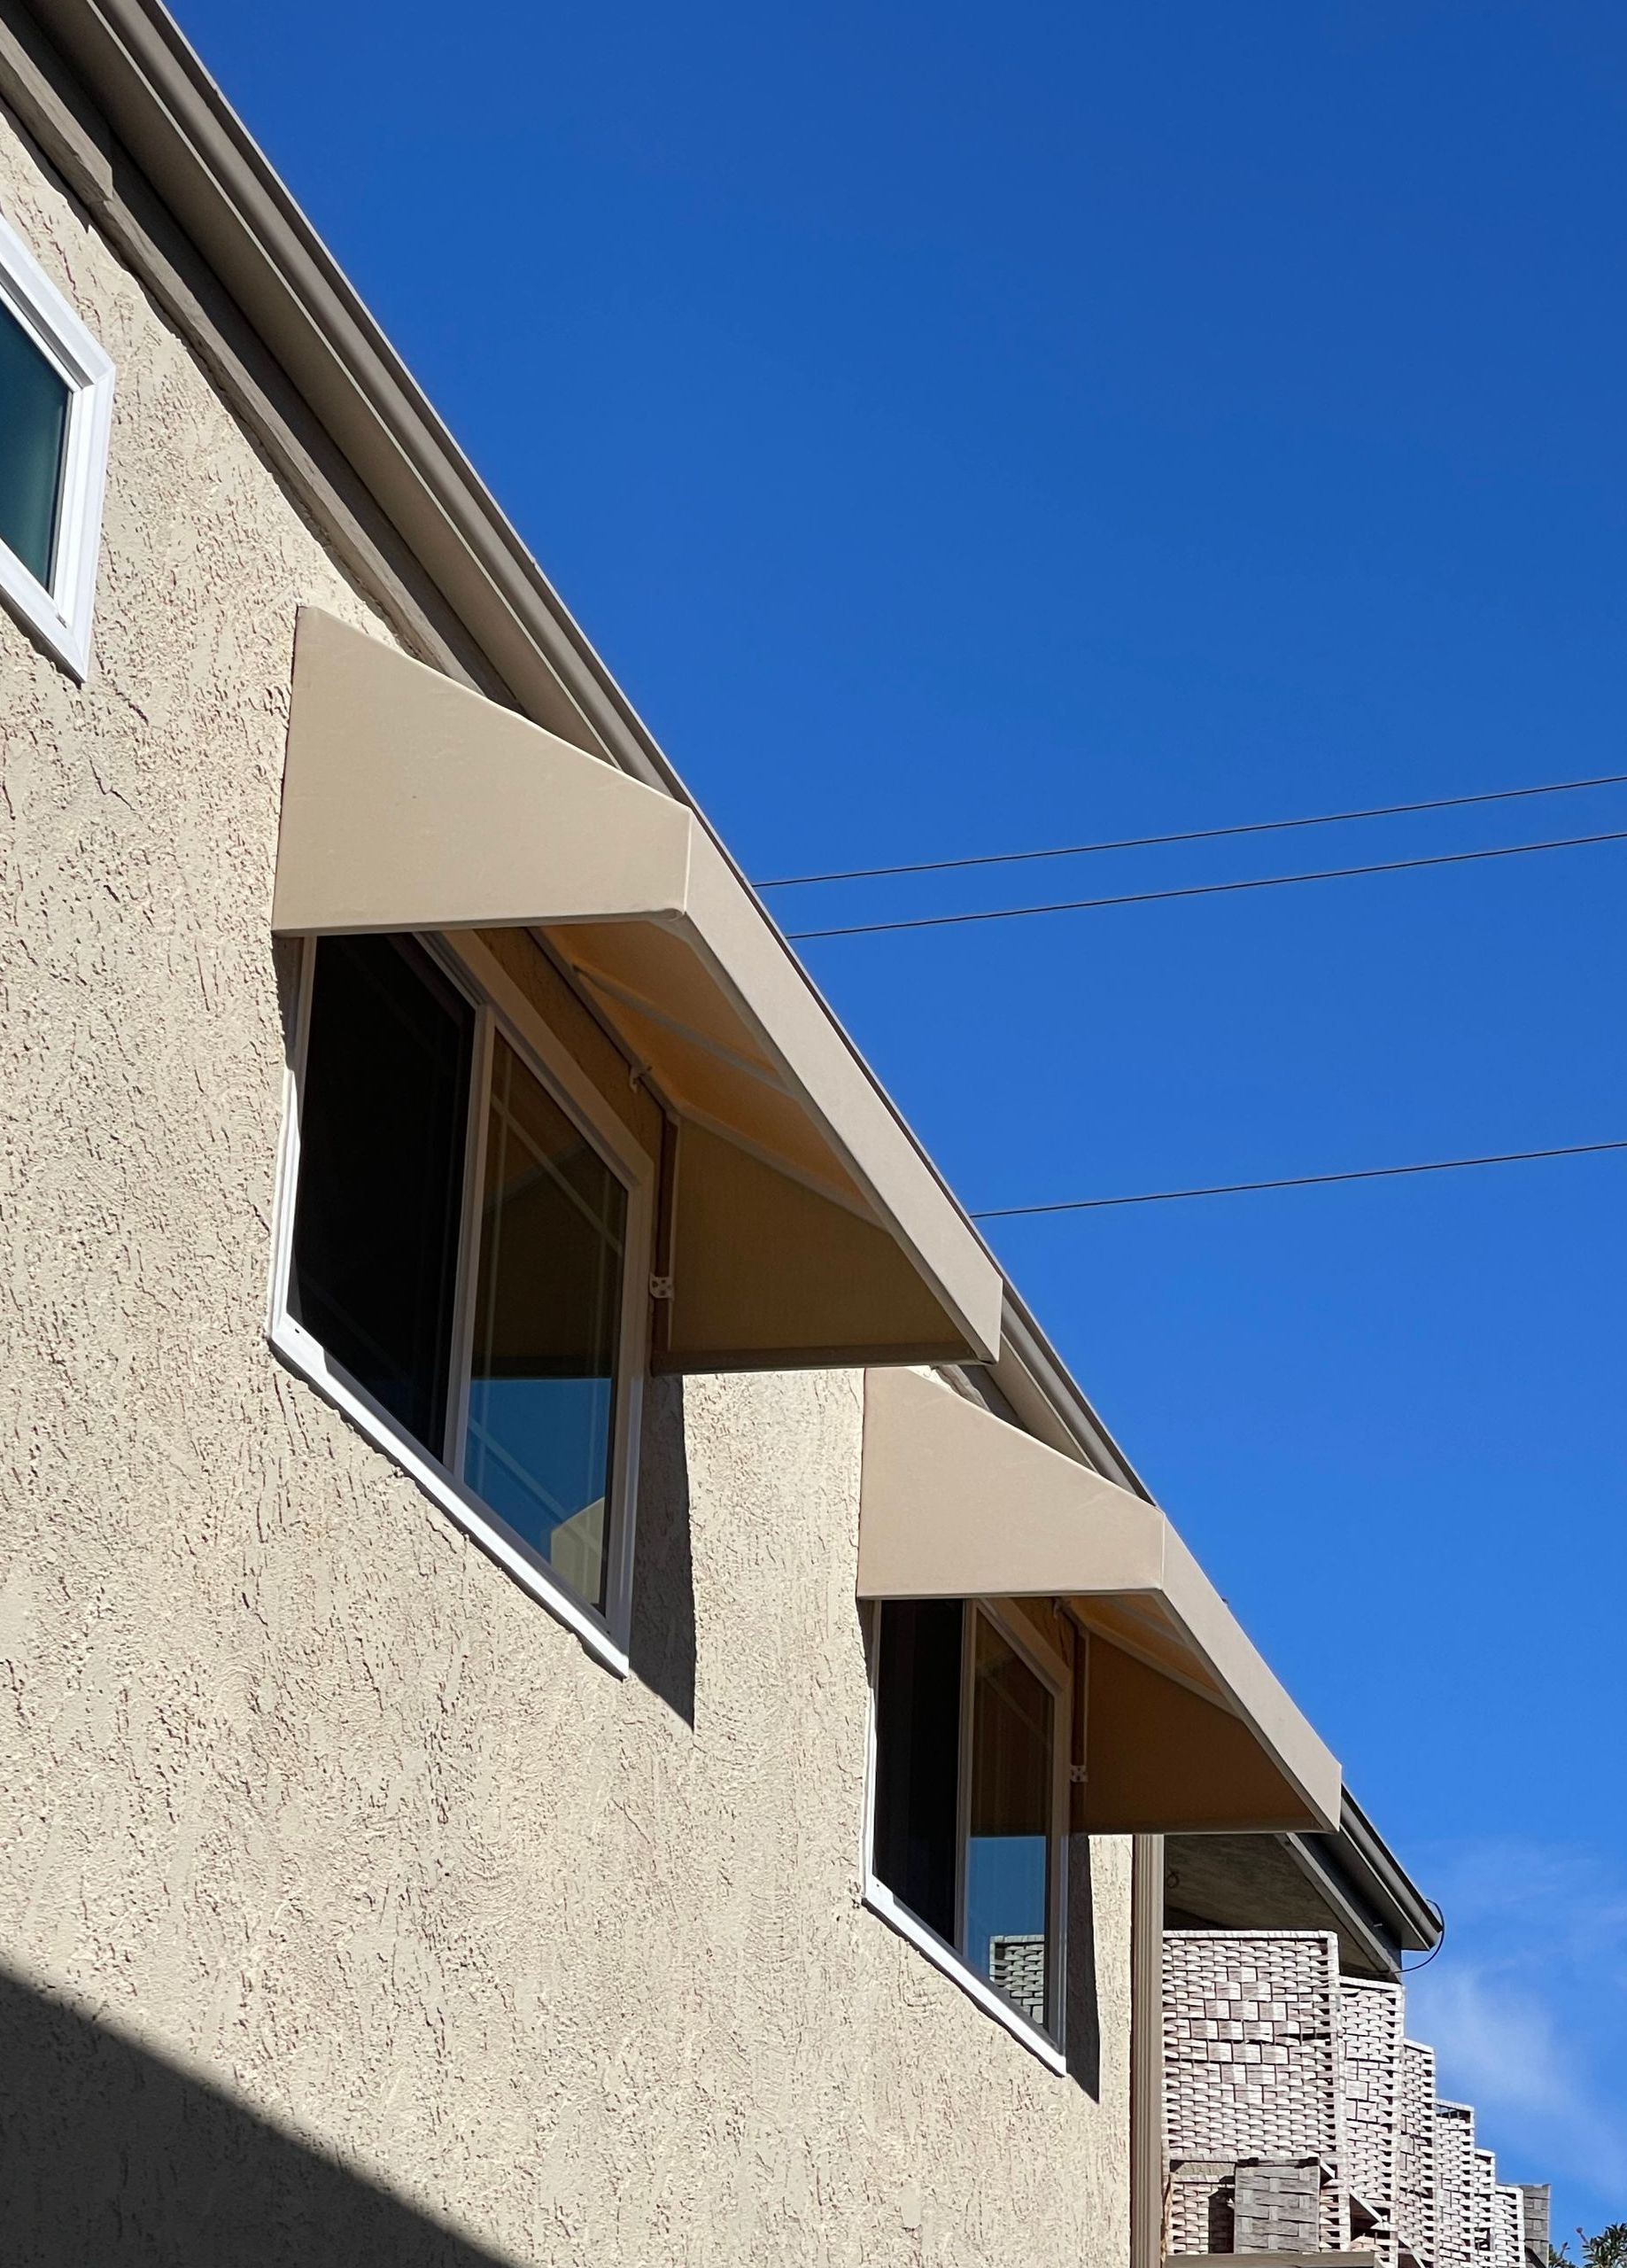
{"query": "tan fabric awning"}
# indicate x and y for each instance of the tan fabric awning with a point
(1186, 1730)
(805, 1227)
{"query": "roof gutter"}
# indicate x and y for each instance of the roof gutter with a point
(1383, 1884)
(174, 121)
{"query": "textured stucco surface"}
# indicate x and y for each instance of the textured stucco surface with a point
(302, 1798)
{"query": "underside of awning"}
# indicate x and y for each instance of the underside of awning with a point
(804, 1225)
(1186, 1730)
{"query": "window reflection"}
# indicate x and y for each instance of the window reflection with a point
(1008, 1841)
(547, 1320)
(34, 425)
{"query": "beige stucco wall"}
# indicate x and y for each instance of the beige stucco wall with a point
(300, 1794)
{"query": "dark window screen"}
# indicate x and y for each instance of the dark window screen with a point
(918, 1756)
(383, 1128)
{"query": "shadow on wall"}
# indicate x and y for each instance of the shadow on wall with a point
(1082, 2015)
(111, 2157)
(661, 1644)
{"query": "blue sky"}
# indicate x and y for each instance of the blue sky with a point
(966, 429)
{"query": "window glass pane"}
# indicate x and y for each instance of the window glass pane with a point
(1008, 1849)
(547, 1322)
(382, 1132)
(918, 1756)
(34, 425)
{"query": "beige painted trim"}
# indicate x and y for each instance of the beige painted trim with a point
(410, 803)
(1189, 1730)
(1149, 2165)
(1274, 2260)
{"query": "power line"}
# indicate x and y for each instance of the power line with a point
(1192, 835)
(1297, 1181)
(1205, 890)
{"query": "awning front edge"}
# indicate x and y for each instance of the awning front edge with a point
(805, 1225)
(1190, 1731)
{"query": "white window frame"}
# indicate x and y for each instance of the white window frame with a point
(499, 1006)
(59, 614)
(1056, 1675)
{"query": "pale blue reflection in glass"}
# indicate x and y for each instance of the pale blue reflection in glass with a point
(1008, 1843)
(1005, 1902)
(538, 1456)
(34, 425)
(547, 1316)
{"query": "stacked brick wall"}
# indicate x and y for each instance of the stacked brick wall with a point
(1415, 2180)
(1508, 2226)
(1455, 2184)
(1299, 2118)
(1372, 2027)
(1538, 2202)
(1251, 2074)
(1483, 2208)
(1276, 2205)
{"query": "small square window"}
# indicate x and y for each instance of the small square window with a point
(969, 1798)
(463, 1262)
(55, 404)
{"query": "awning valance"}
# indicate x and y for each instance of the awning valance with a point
(804, 1226)
(1186, 1730)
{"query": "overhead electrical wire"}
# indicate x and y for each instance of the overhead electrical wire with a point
(1203, 889)
(1192, 835)
(1295, 1181)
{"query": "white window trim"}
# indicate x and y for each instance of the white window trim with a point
(60, 616)
(883, 1901)
(499, 1006)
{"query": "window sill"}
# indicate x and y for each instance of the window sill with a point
(64, 642)
(881, 1900)
(305, 1354)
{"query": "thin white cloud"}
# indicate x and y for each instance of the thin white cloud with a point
(1504, 2045)
(1527, 2009)
(1506, 2050)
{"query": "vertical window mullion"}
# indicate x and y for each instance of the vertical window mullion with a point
(1062, 1708)
(468, 1240)
(963, 1793)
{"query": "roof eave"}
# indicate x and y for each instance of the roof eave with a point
(1385, 1883)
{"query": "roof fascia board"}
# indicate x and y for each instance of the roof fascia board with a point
(1033, 1379)
(1363, 1852)
(206, 169)
(1382, 1949)
(73, 135)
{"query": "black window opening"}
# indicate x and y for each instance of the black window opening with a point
(34, 405)
(966, 1801)
(497, 1352)
(383, 1128)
